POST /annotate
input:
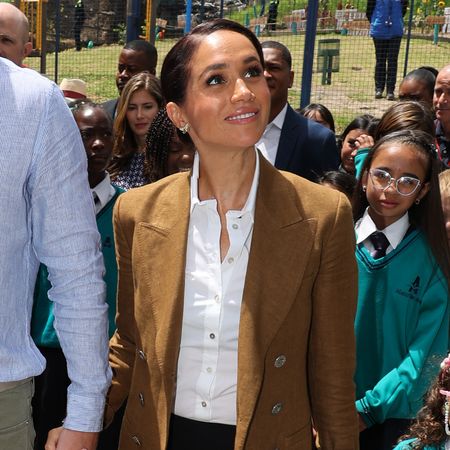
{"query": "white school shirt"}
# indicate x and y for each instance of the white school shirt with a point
(207, 363)
(268, 144)
(394, 232)
(104, 191)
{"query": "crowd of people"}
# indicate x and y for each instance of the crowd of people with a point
(263, 283)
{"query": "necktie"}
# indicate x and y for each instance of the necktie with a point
(380, 243)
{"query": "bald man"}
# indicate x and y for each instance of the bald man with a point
(441, 103)
(14, 34)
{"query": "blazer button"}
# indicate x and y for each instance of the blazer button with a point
(280, 361)
(136, 440)
(142, 355)
(276, 409)
(141, 399)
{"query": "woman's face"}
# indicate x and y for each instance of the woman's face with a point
(140, 112)
(227, 99)
(349, 149)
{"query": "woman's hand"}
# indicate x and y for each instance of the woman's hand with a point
(364, 141)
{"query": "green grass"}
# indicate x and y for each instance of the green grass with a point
(349, 95)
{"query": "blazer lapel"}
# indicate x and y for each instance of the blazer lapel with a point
(290, 134)
(282, 240)
(161, 246)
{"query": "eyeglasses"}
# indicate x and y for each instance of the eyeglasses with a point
(382, 179)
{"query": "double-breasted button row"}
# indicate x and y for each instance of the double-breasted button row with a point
(280, 361)
(136, 440)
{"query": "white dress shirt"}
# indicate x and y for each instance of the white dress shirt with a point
(268, 144)
(104, 192)
(207, 363)
(394, 232)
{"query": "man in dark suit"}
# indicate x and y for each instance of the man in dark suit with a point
(136, 57)
(291, 142)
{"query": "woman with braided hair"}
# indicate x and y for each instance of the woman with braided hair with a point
(167, 153)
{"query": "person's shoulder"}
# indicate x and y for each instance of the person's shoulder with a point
(24, 76)
(142, 201)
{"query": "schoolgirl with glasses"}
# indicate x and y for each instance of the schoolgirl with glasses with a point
(402, 319)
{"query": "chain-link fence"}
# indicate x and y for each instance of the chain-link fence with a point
(344, 56)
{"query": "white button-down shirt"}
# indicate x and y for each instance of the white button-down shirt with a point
(394, 232)
(268, 144)
(104, 191)
(207, 363)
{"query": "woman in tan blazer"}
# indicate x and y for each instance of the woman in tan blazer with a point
(250, 365)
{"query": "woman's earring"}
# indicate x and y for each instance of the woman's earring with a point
(417, 201)
(364, 188)
(185, 128)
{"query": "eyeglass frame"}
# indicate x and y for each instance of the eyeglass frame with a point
(391, 179)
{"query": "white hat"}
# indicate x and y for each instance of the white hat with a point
(73, 88)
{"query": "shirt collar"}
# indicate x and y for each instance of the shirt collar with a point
(278, 121)
(251, 199)
(394, 232)
(103, 191)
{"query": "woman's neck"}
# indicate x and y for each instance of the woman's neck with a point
(227, 176)
(140, 143)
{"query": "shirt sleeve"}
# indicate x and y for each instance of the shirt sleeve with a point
(398, 393)
(65, 239)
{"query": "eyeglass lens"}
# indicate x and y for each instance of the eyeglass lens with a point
(404, 185)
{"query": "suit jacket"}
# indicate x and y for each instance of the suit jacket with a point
(296, 339)
(306, 148)
(110, 107)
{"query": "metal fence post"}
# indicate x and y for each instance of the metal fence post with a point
(133, 15)
(187, 24)
(308, 55)
(408, 37)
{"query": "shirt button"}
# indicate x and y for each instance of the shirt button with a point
(204, 404)
(142, 355)
(231, 260)
(217, 298)
(235, 226)
(212, 336)
(209, 370)
(141, 399)
(136, 440)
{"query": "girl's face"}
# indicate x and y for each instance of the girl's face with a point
(140, 112)
(180, 157)
(227, 98)
(349, 149)
(387, 205)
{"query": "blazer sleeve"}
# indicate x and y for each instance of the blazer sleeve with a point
(122, 352)
(396, 394)
(331, 360)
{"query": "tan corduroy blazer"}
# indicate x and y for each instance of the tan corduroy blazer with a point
(296, 342)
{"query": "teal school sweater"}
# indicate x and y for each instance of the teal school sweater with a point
(360, 157)
(407, 445)
(401, 327)
(42, 330)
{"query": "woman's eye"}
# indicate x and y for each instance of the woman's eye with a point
(215, 79)
(253, 72)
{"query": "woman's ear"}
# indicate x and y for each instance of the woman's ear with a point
(364, 180)
(424, 191)
(175, 114)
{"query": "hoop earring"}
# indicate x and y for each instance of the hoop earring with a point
(417, 201)
(185, 128)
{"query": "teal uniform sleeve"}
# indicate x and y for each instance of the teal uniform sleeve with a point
(399, 393)
(360, 157)
(408, 445)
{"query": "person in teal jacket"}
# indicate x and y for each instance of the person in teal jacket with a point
(402, 317)
(49, 402)
(431, 429)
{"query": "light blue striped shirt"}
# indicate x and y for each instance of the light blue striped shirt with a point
(47, 216)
